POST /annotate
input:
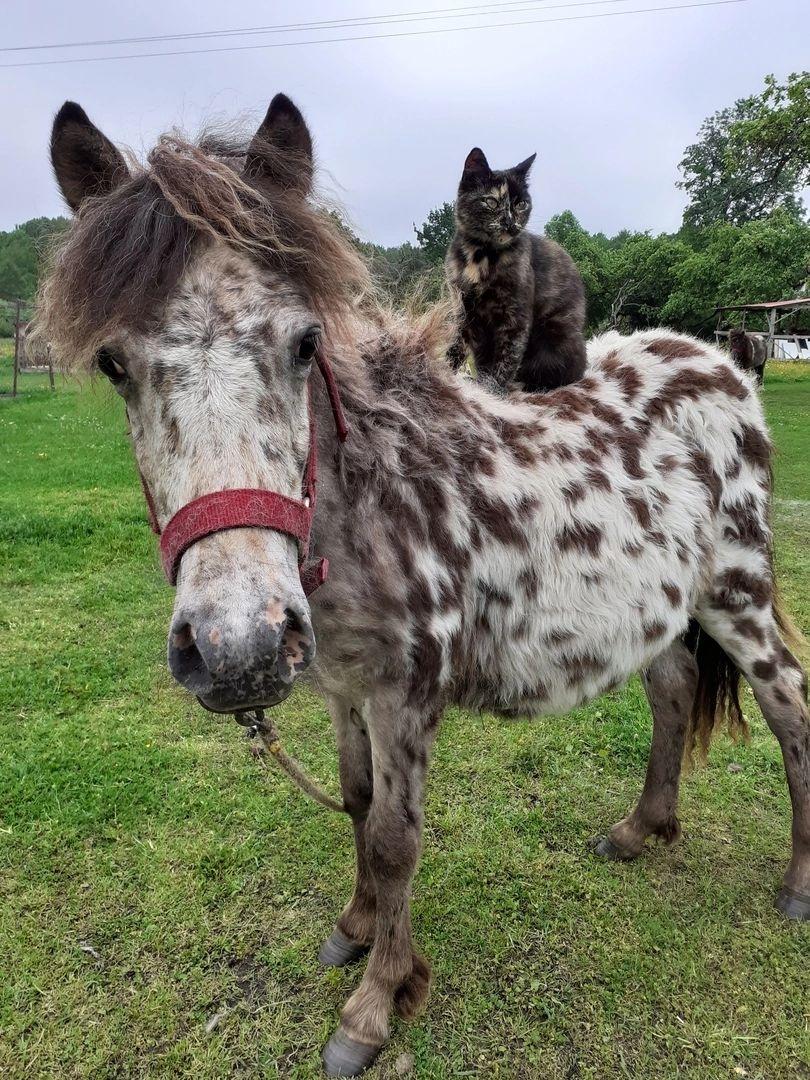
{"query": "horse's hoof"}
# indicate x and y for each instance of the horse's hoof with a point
(793, 905)
(604, 847)
(345, 1056)
(339, 950)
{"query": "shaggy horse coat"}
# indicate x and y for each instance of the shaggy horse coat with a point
(521, 554)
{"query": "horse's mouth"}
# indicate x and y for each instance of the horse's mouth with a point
(224, 703)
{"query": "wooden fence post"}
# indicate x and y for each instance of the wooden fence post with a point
(16, 347)
(771, 332)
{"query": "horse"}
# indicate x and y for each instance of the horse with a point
(748, 352)
(520, 554)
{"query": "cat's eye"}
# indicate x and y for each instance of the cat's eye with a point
(521, 205)
(491, 203)
(307, 347)
(108, 364)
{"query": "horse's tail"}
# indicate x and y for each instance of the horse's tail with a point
(717, 697)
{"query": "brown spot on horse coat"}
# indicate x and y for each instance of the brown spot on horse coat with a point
(737, 589)
(581, 536)
(497, 518)
(764, 669)
(673, 594)
(598, 478)
(746, 528)
(703, 469)
(579, 665)
(689, 384)
(673, 349)
(629, 443)
(747, 628)
(523, 453)
(607, 414)
(573, 492)
(755, 447)
(628, 378)
(640, 509)
(173, 437)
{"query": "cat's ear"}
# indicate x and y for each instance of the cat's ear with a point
(476, 167)
(84, 160)
(281, 150)
(522, 169)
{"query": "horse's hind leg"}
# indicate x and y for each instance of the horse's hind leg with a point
(751, 637)
(354, 933)
(670, 682)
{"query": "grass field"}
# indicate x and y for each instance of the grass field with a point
(154, 877)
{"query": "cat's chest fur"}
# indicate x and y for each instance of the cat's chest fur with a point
(477, 268)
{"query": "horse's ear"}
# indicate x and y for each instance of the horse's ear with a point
(523, 168)
(476, 167)
(84, 160)
(281, 150)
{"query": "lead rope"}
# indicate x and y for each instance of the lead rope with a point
(265, 731)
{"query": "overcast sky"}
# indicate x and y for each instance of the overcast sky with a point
(609, 103)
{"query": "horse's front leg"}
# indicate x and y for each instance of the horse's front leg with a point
(354, 932)
(396, 977)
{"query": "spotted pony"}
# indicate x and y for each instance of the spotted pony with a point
(749, 352)
(518, 554)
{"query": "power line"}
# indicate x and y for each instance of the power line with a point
(471, 10)
(376, 37)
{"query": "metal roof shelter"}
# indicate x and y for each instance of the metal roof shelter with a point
(774, 311)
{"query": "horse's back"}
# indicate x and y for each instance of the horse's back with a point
(640, 483)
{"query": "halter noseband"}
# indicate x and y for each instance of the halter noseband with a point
(255, 508)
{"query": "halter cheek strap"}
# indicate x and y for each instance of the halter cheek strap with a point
(255, 508)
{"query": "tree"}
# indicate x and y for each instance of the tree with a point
(592, 257)
(752, 158)
(635, 280)
(641, 277)
(436, 233)
(21, 252)
(758, 261)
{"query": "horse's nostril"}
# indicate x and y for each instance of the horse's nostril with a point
(182, 636)
(296, 642)
(186, 662)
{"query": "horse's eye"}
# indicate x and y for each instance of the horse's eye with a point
(307, 347)
(109, 366)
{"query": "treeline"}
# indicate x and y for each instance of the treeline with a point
(21, 253)
(634, 279)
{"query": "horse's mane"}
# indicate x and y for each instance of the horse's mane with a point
(126, 250)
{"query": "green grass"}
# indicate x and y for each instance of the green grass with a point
(135, 825)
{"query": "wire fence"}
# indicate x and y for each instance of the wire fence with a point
(22, 354)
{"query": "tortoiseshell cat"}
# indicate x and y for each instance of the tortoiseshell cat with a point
(519, 297)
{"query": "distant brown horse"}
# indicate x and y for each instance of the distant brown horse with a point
(520, 554)
(749, 352)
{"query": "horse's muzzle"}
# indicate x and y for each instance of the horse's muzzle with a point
(229, 671)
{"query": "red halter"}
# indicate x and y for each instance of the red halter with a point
(255, 508)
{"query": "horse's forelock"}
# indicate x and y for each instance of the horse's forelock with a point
(125, 251)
